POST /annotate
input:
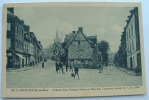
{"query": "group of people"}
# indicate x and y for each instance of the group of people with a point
(59, 68)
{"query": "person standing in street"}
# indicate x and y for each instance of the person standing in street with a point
(43, 64)
(76, 70)
(61, 67)
(70, 68)
(57, 67)
(66, 67)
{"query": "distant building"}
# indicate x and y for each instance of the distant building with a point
(133, 40)
(81, 50)
(110, 58)
(57, 46)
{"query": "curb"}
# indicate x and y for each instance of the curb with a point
(129, 73)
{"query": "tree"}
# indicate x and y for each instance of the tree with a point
(103, 47)
(116, 59)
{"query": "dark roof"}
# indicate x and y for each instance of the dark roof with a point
(92, 40)
(70, 38)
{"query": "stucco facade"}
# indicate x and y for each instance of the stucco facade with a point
(133, 40)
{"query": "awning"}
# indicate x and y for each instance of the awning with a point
(32, 59)
(20, 56)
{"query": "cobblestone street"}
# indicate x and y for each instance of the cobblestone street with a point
(47, 77)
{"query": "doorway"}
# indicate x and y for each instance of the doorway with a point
(131, 63)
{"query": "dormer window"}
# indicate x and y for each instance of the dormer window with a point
(78, 42)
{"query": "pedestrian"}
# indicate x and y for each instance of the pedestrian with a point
(76, 70)
(66, 67)
(43, 64)
(70, 68)
(101, 69)
(61, 67)
(57, 67)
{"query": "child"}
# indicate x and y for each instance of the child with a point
(76, 70)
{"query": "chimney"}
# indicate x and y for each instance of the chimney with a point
(80, 29)
(22, 21)
(11, 9)
(27, 28)
(66, 36)
(73, 32)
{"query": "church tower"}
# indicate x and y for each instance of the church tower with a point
(57, 38)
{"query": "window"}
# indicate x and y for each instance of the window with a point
(16, 28)
(8, 26)
(132, 45)
(17, 43)
(126, 37)
(22, 32)
(26, 48)
(129, 33)
(78, 42)
(127, 48)
(19, 30)
(22, 45)
(132, 28)
(130, 48)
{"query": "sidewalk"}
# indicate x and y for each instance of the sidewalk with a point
(130, 72)
(24, 68)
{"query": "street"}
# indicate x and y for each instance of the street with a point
(47, 77)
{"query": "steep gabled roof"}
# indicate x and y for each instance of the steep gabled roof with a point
(73, 38)
(69, 39)
(92, 40)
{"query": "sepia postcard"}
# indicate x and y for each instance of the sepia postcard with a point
(72, 49)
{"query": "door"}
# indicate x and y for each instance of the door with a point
(26, 61)
(138, 60)
(22, 62)
(9, 61)
(131, 63)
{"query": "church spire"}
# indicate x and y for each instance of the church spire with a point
(56, 35)
(61, 36)
(57, 39)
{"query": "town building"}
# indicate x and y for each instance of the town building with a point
(36, 48)
(20, 43)
(81, 50)
(28, 48)
(122, 52)
(133, 40)
(15, 37)
(39, 52)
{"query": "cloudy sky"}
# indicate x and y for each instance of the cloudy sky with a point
(105, 22)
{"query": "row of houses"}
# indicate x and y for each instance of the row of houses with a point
(23, 49)
(130, 51)
(78, 49)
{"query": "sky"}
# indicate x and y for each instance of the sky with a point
(106, 23)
